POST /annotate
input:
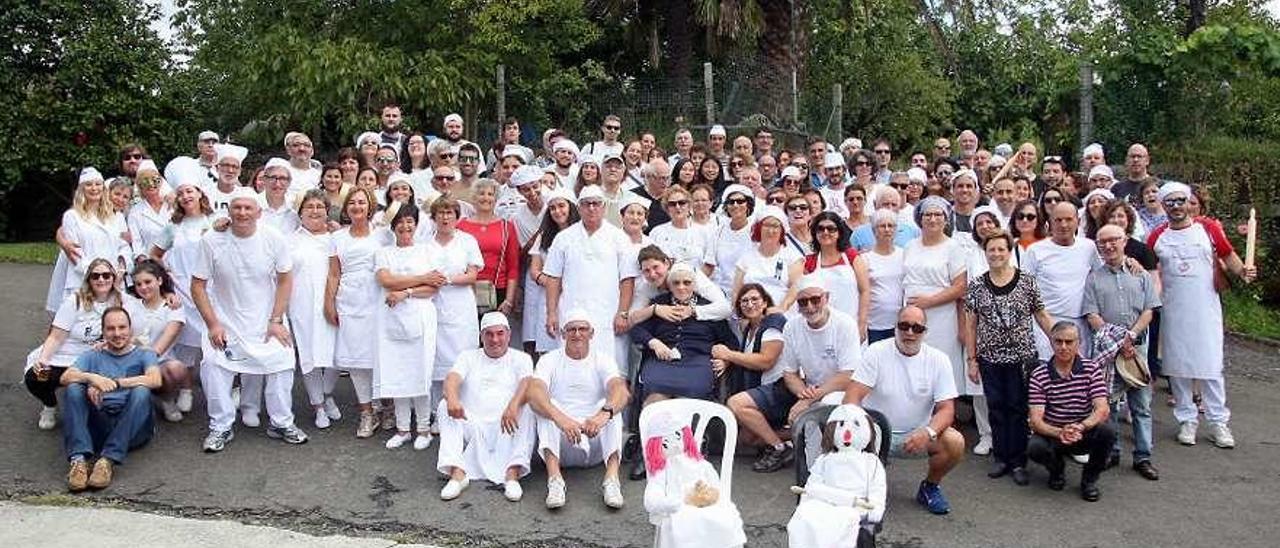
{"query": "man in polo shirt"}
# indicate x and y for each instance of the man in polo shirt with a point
(1068, 400)
(1114, 295)
(911, 383)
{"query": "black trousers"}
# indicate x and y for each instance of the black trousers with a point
(1096, 442)
(44, 390)
(1005, 386)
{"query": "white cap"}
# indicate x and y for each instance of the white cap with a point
(738, 189)
(231, 151)
(771, 211)
(289, 136)
(516, 151)
(399, 177)
(717, 130)
(584, 159)
(277, 162)
(663, 424)
(561, 194)
(368, 136)
(608, 156)
(811, 281)
(576, 315)
(148, 165)
(590, 192)
(1102, 170)
(791, 171)
(565, 144)
(852, 142)
(1173, 187)
(90, 174)
(917, 175)
(524, 175)
(1092, 148)
(1104, 193)
(1004, 149)
(494, 318)
(207, 135)
(453, 117)
(631, 199)
(833, 159)
(244, 192)
(996, 161)
(185, 169)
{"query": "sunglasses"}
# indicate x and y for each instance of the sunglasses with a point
(899, 186)
(800, 165)
(916, 328)
(862, 163)
(775, 200)
(882, 152)
(833, 229)
(677, 203)
(942, 148)
(736, 163)
(1175, 202)
(1051, 200)
(134, 156)
(1025, 216)
(613, 128)
(386, 160)
(735, 201)
(945, 174)
(798, 207)
(809, 301)
(102, 276)
(443, 178)
(468, 159)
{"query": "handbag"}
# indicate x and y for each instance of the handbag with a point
(487, 291)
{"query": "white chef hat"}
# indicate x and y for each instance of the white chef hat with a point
(771, 212)
(291, 136)
(663, 424)
(207, 135)
(917, 175)
(577, 315)
(1102, 170)
(1092, 148)
(185, 169)
(610, 156)
(517, 152)
(1173, 187)
(739, 189)
(811, 281)
(717, 130)
(492, 319)
(524, 175)
(244, 192)
(276, 162)
(147, 165)
(90, 174)
(791, 171)
(368, 136)
(852, 142)
(562, 194)
(453, 117)
(963, 172)
(631, 199)
(1098, 192)
(833, 159)
(590, 192)
(584, 159)
(566, 144)
(230, 151)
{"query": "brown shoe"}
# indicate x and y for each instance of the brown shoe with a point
(78, 476)
(101, 476)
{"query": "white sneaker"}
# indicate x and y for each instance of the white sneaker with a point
(1187, 433)
(512, 490)
(170, 410)
(454, 488)
(185, 400)
(1081, 459)
(398, 440)
(331, 409)
(322, 419)
(48, 418)
(422, 442)
(1220, 435)
(555, 492)
(612, 493)
(250, 419)
(983, 446)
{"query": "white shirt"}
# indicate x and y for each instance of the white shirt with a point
(770, 272)
(684, 245)
(724, 248)
(243, 274)
(83, 327)
(818, 354)
(284, 219)
(302, 180)
(598, 149)
(489, 383)
(905, 388)
(886, 273)
(577, 386)
(146, 226)
(527, 222)
(1060, 273)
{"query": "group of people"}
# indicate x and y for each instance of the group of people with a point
(519, 305)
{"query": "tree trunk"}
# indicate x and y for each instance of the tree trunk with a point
(781, 55)
(1195, 16)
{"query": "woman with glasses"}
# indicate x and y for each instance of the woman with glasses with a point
(367, 144)
(738, 161)
(700, 204)
(313, 336)
(863, 164)
(1000, 306)
(771, 262)
(800, 211)
(730, 240)
(91, 229)
(150, 217)
(1027, 227)
(742, 365)
(842, 270)
(1095, 208)
(855, 199)
(1048, 200)
(414, 156)
(458, 257)
(76, 327)
(679, 239)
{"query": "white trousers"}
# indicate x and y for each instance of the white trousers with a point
(217, 383)
(980, 417)
(320, 383)
(1212, 391)
(590, 452)
(250, 394)
(362, 381)
(407, 407)
(481, 449)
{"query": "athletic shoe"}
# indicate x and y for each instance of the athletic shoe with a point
(217, 441)
(398, 439)
(185, 400)
(1187, 433)
(388, 418)
(290, 434)
(1081, 459)
(1221, 436)
(100, 478)
(78, 476)
(422, 442)
(454, 488)
(331, 409)
(612, 493)
(512, 490)
(368, 424)
(555, 492)
(772, 460)
(250, 419)
(930, 496)
(983, 448)
(170, 410)
(48, 418)
(322, 419)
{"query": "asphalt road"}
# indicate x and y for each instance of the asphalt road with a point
(337, 484)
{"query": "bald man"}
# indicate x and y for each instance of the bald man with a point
(1060, 264)
(1136, 163)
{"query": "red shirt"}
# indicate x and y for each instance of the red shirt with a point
(490, 239)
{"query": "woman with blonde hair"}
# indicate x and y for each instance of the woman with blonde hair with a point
(91, 229)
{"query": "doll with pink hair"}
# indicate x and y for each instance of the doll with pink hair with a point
(682, 495)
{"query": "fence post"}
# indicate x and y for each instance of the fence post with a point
(795, 98)
(707, 83)
(1086, 105)
(502, 97)
(837, 110)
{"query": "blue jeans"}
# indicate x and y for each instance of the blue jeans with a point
(877, 335)
(122, 423)
(1140, 410)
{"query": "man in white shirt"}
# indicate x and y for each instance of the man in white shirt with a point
(304, 170)
(486, 430)
(528, 215)
(608, 143)
(833, 167)
(249, 269)
(229, 162)
(911, 383)
(1061, 264)
(578, 395)
(683, 142)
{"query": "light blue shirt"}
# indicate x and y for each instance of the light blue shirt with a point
(863, 238)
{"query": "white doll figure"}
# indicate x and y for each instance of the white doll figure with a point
(682, 495)
(846, 484)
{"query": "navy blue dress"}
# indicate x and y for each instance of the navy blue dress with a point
(690, 376)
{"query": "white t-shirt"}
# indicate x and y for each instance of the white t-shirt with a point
(243, 274)
(770, 272)
(598, 149)
(83, 327)
(577, 386)
(818, 354)
(284, 219)
(488, 383)
(149, 323)
(905, 388)
(1060, 273)
(724, 248)
(684, 245)
(886, 273)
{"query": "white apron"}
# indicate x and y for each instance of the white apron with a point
(1191, 322)
(405, 345)
(458, 327)
(241, 266)
(842, 283)
(357, 297)
(181, 258)
(313, 335)
(534, 318)
(926, 274)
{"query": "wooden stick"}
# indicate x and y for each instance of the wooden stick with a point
(1251, 239)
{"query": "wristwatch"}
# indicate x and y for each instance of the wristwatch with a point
(933, 434)
(277, 320)
(608, 409)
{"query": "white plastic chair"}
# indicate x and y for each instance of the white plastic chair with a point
(688, 409)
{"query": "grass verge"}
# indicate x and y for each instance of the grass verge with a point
(28, 252)
(1243, 313)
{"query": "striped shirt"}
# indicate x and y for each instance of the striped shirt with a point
(1070, 399)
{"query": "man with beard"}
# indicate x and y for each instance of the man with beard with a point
(453, 129)
(304, 171)
(391, 134)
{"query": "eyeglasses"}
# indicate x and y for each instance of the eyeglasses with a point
(735, 201)
(898, 186)
(1026, 216)
(301, 144)
(1174, 202)
(102, 275)
(916, 328)
(443, 178)
(862, 163)
(944, 174)
(772, 200)
(736, 163)
(856, 198)
(800, 165)
(591, 203)
(833, 229)
(468, 159)
(750, 299)
(942, 147)
(809, 301)
(677, 203)
(1052, 200)
(229, 166)
(1111, 240)
(613, 128)
(798, 207)
(270, 178)
(386, 160)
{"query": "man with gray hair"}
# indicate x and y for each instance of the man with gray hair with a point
(968, 142)
(657, 177)
(304, 171)
(682, 143)
(888, 199)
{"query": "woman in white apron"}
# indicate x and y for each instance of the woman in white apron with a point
(458, 258)
(934, 281)
(406, 320)
(313, 336)
(179, 248)
(94, 228)
(351, 297)
(776, 268)
(148, 219)
(843, 272)
(561, 213)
